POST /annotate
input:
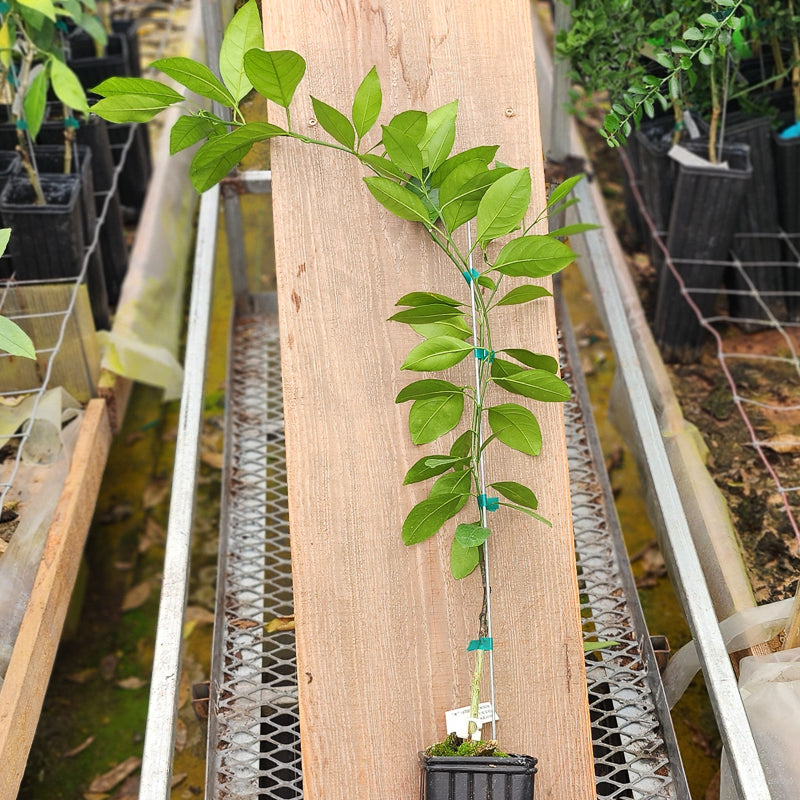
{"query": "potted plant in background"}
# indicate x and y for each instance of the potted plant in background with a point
(52, 212)
(466, 202)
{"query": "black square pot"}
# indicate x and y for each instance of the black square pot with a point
(476, 778)
(47, 241)
(705, 211)
(787, 175)
(135, 176)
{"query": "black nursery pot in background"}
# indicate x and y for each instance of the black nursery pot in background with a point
(48, 240)
(787, 173)
(758, 215)
(705, 212)
(476, 778)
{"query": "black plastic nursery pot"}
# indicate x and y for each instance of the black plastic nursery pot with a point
(787, 173)
(9, 166)
(48, 240)
(135, 175)
(756, 242)
(705, 212)
(476, 777)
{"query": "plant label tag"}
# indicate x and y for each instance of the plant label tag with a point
(457, 720)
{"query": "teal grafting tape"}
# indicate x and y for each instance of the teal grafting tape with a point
(4, 8)
(471, 274)
(484, 643)
(489, 503)
(71, 122)
(21, 125)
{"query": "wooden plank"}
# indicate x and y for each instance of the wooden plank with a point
(382, 629)
(31, 663)
(76, 365)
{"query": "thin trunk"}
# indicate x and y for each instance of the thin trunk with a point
(477, 672)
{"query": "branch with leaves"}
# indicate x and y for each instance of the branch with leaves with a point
(416, 177)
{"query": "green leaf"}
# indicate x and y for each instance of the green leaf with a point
(483, 154)
(187, 131)
(463, 560)
(516, 427)
(433, 417)
(572, 230)
(218, 156)
(92, 25)
(196, 77)
(440, 135)
(275, 74)
(504, 205)
(430, 467)
(523, 294)
(533, 256)
(426, 299)
(530, 513)
(534, 360)
(459, 196)
(428, 387)
(400, 201)
(128, 108)
(242, 34)
(438, 353)
(516, 493)
(112, 87)
(461, 446)
(706, 56)
(335, 123)
(35, 101)
(458, 483)
(14, 340)
(5, 235)
(563, 189)
(502, 369)
(427, 313)
(708, 21)
(412, 123)
(382, 166)
(67, 86)
(588, 647)
(367, 103)
(538, 384)
(462, 199)
(43, 7)
(487, 283)
(454, 326)
(403, 151)
(427, 517)
(471, 534)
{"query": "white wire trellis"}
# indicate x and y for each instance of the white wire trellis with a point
(784, 475)
(162, 17)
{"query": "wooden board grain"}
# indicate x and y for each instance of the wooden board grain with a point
(29, 670)
(382, 629)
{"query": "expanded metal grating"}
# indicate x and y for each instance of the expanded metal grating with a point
(254, 734)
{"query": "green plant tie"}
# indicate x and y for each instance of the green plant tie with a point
(471, 274)
(71, 122)
(484, 643)
(489, 503)
(62, 26)
(4, 8)
(482, 354)
(21, 125)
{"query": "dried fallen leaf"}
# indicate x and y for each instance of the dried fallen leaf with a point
(80, 748)
(244, 624)
(129, 790)
(181, 735)
(787, 443)
(214, 460)
(131, 683)
(108, 780)
(179, 777)
(199, 615)
(137, 596)
(280, 624)
(155, 492)
(153, 534)
(95, 795)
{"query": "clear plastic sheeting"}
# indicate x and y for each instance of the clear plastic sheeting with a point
(770, 687)
(745, 629)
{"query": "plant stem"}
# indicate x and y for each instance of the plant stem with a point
(483, 631)
(796, 64)
(715, 112)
